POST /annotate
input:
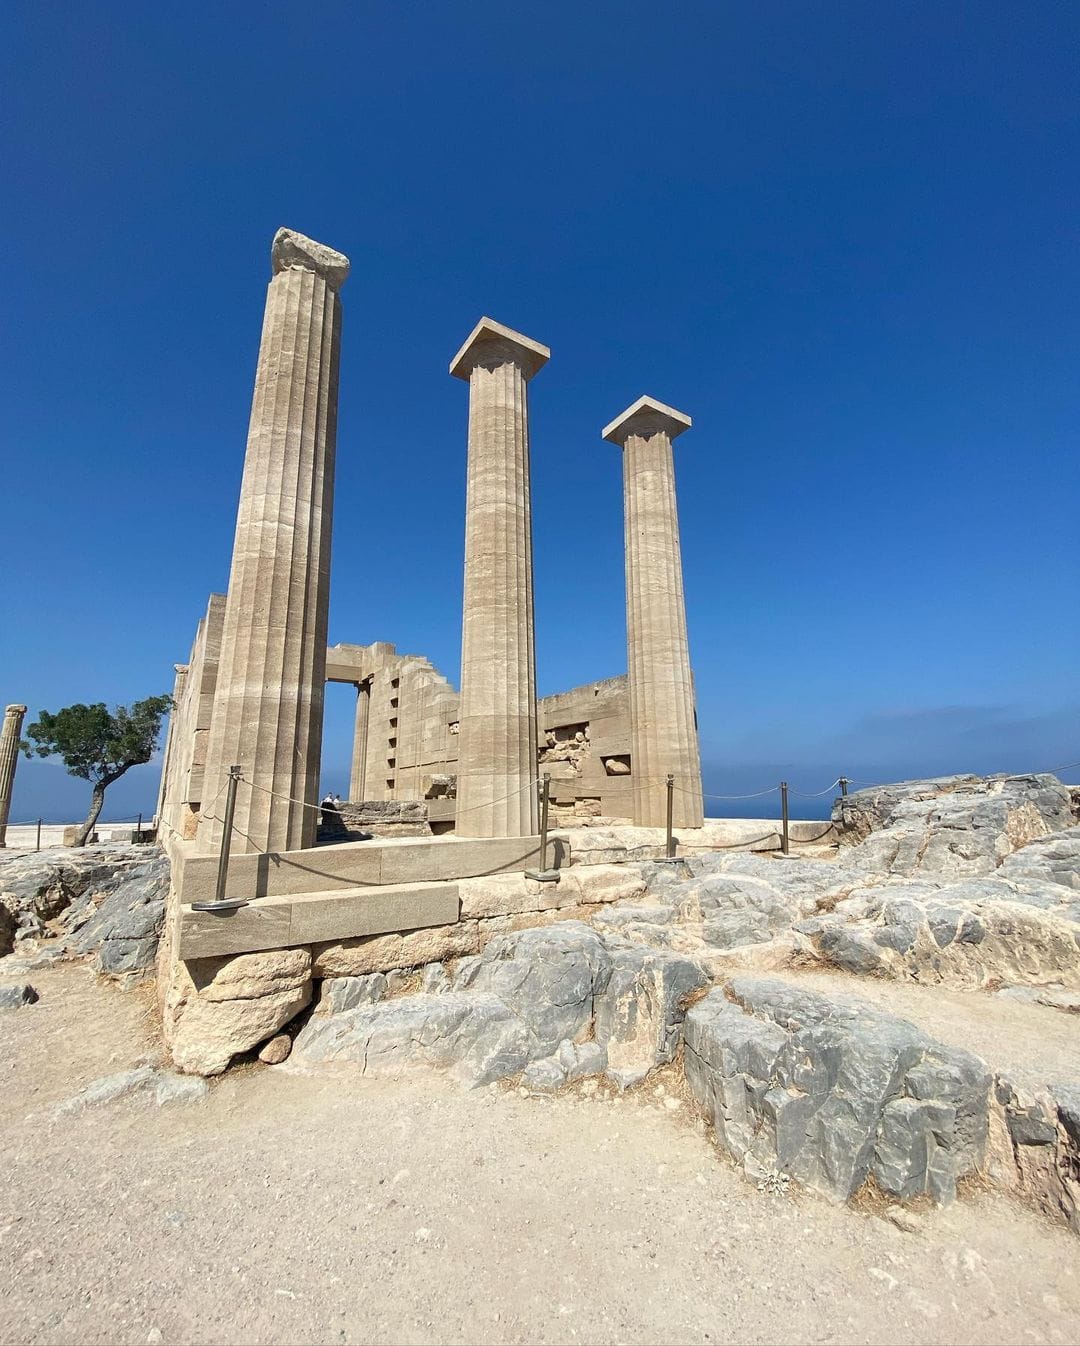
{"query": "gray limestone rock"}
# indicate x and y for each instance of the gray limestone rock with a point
(125, 928)
(573, 1061)
(472, 1033)
(970, 933)
(1053, 997)
(8, 929)
(339, 994)
(531, 1002)
(548, 977)
(164, 1086)
(951, 828)
(48, 882)
(14, 997)
(1050, 859)
(434, 979)
(833, 1092)
(640, 1011)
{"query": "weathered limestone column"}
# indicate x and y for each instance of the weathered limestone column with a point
(497, 740)
(268, 702)
(10, 735)
(662, 725)
(358, 773)
(167, 784)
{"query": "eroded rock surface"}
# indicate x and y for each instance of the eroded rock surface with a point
(957, 826)
(961, 881)
(108, 901)
(562, 999)
(233, 1004)
(833, 1092)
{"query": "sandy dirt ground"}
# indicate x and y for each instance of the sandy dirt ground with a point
(295, 1208)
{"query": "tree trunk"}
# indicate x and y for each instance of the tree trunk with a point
(97, 799)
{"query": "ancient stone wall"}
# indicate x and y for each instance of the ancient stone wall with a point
(189, 725)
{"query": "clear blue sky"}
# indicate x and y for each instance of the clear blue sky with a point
(841, 236)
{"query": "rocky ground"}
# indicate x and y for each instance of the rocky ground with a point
(712, 1046)
(107, 902)
(325, 1206)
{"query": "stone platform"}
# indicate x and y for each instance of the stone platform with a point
(352, 865)
(310, 918)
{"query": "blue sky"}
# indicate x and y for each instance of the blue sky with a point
(841, 236)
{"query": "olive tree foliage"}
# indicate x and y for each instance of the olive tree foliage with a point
(97, 744)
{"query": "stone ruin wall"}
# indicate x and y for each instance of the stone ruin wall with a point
(583, 741)
(411, 747)
(412, 730)
(189, 725)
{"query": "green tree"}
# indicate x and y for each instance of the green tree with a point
(98, 745)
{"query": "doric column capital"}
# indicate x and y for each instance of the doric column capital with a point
(490, 344)
(646, 417)
(291, 251)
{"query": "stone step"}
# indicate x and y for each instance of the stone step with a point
(311, 918)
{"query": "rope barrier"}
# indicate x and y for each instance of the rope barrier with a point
(809, 841)
(815, 794)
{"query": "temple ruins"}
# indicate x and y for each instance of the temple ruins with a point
(445, 782)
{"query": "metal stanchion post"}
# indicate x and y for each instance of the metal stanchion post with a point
(138, 829)
(221, 902)
(39, 834)
(843, 786)
(670, 847)
(543, 874)
(784, 839)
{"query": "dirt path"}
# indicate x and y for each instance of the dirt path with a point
(326, 1208)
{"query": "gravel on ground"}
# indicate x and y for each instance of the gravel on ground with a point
(293, 1208)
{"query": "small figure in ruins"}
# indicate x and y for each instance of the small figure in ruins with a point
(330, 813)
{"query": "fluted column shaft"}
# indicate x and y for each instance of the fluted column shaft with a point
(662, 723)
(496, 794)
(167, 784)
(268, 703)
(357, 781)
(10, 735)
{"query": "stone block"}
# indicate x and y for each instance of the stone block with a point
(316, 918)
(211, 1032)
(381, 953)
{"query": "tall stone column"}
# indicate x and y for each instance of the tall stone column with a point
(357, 775)
(497, 755)
(268, 702)
(10, 735)
(167, 784)
(662, 725)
